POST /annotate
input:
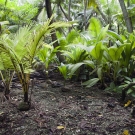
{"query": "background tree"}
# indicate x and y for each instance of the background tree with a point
(126, 16)
(53, 35)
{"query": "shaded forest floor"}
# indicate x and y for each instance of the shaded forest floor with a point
(56, 111)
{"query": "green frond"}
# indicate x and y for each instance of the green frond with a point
(69, 55)
(5, 62)
(62, 44)
(59, 35)
(43, 30)
(94, 27)
(22, 47)
(92, 3)
(71, 36)
(56, 25)
(9, 53)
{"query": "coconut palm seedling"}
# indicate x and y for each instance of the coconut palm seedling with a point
(68, 70)
(91, 49)
(96, 50)
(113, 55)
(64, 70)
(74, 55)
(46, 55)
(127, 56)
(127, 88)
(21, 49)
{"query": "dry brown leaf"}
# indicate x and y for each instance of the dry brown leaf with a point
(60, 127)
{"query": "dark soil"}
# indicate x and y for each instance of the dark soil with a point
(56, 111)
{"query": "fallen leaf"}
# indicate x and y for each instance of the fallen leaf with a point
(60, 127)
(125, 132)
(1, 113)
(128, 103)
(100, 115)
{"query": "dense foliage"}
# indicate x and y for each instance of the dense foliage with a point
(98, 48)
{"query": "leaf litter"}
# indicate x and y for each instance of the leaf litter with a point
(80, 111)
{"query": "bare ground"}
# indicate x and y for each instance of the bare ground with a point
(77, 111)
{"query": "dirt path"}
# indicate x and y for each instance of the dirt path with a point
(79, 111)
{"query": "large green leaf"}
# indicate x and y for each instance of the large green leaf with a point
(102, 33)
(99, 73)
(97, 51)
(131, 7)
(94, 27)
(114, 35)
(89, 63)
(127, 53)
(74, 67)
(91, 82)
(64, 70)
(84, 47)
(92, 3)
(71, 36)
(115, 52)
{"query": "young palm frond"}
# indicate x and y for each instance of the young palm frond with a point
(36, 36)
(22, 47)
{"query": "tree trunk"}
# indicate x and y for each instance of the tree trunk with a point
(26, 99)
(85, 6)
(69, 8)
(101, 12)
(126, 16)
(25, 85)
(53, 35)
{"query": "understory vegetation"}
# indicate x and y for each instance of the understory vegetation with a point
(89, 41)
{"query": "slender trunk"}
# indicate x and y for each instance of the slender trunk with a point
(69, 7)
(26, 99)
(48, 8)
(128, 4)
(85, 5)
(103, 15)
(53, 35)
(63, 12)
(25, 85)
(69, 18)
(101, 12)
(126, 16)
(118, 29)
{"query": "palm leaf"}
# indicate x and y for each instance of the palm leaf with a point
(94, 27)
(114, 35)
(71, 36)
(91, 82)
(73, 67)
(92, 3)
(5, 62)
(43, 30)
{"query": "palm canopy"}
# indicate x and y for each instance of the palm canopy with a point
(21, 48)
